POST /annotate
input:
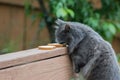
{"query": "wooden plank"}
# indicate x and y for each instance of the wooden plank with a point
(20, 2)
(58, 68)
(26, 56)
(5, 26)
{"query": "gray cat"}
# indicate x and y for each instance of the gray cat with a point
(89, 52)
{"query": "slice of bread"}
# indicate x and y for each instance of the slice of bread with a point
(55, 44)
(46, 47)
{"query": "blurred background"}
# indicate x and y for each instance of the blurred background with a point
(26, 24)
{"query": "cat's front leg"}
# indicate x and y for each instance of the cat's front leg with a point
(76, 69)
(77, 63)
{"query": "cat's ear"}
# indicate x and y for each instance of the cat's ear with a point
(67, 27)
(59, 22)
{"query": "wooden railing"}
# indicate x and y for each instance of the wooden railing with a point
(35, 64)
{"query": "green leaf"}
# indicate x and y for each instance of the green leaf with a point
(71, 2)
(117, 26)
(108, 36)
(27, 5)
(72, 14)
(93, 22)
(61, 12)
(105, 26)
(112, 28)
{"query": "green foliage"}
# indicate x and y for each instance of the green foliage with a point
(9, 47)
(28, 7)
(118, 57)
(61, 10)
(105, 20)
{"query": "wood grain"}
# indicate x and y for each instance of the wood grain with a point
(27, 56)
(58, 68)
(20, 2)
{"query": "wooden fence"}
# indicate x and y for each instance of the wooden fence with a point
(16, 30)
(35, 64)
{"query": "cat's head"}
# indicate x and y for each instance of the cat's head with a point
(63, 32)
(69, 33)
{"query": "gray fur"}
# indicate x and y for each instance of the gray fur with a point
(90, 53)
